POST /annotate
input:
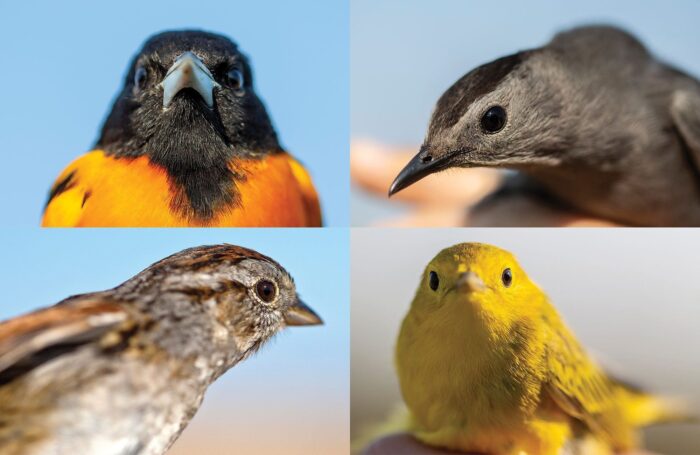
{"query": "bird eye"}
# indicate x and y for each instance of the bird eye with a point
(140, 78)
(266, 290)
(494, 119)
(507, 277)
(234, 78)
(434, 281)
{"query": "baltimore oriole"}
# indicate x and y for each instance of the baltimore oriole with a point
(187, 143)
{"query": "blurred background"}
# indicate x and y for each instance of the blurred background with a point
(630, 296)
(291, 397)
(405, 53)
(65, 62)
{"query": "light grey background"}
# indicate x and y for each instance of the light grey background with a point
(632, 296)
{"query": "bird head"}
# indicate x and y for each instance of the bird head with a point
(188, 100)
(247, 297)
(476, 286)
(502, 114)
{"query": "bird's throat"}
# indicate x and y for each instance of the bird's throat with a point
(196, 158)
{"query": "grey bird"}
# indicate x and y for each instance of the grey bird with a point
(591, 119)
(123, 371)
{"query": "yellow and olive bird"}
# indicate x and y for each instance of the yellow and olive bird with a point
(487, 365)
(187, 143)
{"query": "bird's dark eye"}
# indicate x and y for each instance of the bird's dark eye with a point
(140, 77)
(234, 79)
(507, 277)
(434, 281)
(266, 290)
(494, 119)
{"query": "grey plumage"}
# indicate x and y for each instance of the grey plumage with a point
(592, 117)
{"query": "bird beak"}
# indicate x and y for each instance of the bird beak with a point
(301, 314)
(470, 282)
(421, 165)
(188, 71)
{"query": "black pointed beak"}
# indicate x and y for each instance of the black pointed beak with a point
(421, 165)
(301, 314)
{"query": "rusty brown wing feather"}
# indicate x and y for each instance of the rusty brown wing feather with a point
(33, 338)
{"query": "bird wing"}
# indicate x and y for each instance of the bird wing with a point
(68, 194)
(308, 191)
(580, 388)
(33, 338)
(685, 111)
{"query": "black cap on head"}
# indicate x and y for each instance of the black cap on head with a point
(434, 156)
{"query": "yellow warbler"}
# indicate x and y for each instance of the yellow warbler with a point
(486, 365)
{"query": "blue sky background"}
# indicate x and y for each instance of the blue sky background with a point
(292, 397)
(64, 63)
(405, 53)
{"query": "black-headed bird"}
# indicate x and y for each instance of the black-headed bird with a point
(187, 143)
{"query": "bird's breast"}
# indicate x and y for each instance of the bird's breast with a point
(117, 191)
(111, 404)
(452, 378)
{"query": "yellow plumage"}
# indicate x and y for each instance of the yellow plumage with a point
(486, 365)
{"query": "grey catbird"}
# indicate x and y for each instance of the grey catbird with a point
(592, 118)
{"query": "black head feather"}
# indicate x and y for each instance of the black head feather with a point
(195, 143)
(470, 87)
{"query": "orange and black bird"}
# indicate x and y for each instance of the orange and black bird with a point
(187, 143)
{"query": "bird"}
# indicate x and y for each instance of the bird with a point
(486, 365)
(591, 121)
(187, 142)
(123, 371)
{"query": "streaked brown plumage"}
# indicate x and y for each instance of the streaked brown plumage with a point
(124, 370)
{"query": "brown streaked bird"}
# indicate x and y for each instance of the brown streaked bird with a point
(123, 371)
(187, 143)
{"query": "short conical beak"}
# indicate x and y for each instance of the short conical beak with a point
(421, 165)
(470, 282)
(188, 71)
(301, 314)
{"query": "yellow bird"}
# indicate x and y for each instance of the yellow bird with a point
(487, 365)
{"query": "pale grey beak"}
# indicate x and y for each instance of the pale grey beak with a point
(301, 314)
(188, 71)
(470, 282)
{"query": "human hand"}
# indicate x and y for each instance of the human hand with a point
(401, 443)
(447, 199)
(406, 444)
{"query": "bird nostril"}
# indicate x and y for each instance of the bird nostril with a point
(427, 158)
